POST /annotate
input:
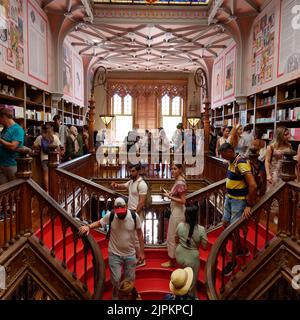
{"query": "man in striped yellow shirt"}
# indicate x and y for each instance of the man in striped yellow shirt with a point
(241, 193)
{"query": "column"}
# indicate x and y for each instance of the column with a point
(24, 222)
(91, 123)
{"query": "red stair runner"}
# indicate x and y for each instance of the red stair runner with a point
(152, 280)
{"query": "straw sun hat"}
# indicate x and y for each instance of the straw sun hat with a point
(181, 281)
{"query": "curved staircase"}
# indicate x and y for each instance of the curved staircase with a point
(152, 280)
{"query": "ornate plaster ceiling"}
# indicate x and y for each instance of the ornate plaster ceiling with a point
(156, 47)
(154, 37)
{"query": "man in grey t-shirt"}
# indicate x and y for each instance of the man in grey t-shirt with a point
(121, 247)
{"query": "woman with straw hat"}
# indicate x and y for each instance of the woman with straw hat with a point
(180, 284)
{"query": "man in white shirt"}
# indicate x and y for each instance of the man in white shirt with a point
(137, 194)
(121, 246)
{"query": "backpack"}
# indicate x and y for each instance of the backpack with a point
(45, 145)
(255, 170)
(148, 201)
(111, 218)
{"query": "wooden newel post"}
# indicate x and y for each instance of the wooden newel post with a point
(288, 173)
(24, 163)
(91, 124)
(288, 169)
(24, 172)
(206, 125)
(206, 133)
(53, 162)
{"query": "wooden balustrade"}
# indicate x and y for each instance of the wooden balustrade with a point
(286, 195)
(22, 200)
(86, 200)
(215, 169)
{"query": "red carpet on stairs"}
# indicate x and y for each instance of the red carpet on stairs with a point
(152, 280)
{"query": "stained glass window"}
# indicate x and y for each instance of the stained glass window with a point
(157, 2)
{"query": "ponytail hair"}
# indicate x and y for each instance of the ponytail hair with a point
(191, 215)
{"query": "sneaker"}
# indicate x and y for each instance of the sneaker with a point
(140, 264)
(168, 264)
(229, 269)
(243, 253)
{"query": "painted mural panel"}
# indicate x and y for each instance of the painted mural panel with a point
(224, 77)
(72, 75)
(12, 34)
(289, 38)
(37, 44)
(217, 81)
(24, 42)
(263, 44)
(230, 65)
(67, 70)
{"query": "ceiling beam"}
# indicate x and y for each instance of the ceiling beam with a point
(253, 5)
(46, 3)
(216, 5)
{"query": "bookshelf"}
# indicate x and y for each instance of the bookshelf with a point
(33, 107)
(275, 107)
(225, 115)
(71, 113)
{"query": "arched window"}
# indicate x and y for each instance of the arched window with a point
(171, 111)
(165, 105)
(117, 104)
(128, 104)
(122, 122)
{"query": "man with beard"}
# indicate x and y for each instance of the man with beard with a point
(137, 195)
(123, 224)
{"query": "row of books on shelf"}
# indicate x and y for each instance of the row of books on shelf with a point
(72, 121)
(38, 115)
(267, 101)
(295, 134)
(291, 114)
(267, 119)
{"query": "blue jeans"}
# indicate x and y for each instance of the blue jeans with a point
(233, 209)
(116, 263)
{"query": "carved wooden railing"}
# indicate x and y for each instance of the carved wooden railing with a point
(215, 168)
(89, 167)
(286, 198)
(86, 200)
(23, 202)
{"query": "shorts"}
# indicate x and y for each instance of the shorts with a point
(233, 209)
(45, 164)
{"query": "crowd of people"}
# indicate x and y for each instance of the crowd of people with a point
(69, 142)
(126, 240)
(253, 169)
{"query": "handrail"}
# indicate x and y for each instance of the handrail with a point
(98, 261)
(16, 202)
(204, 190)
(65, 165)
(211, 264)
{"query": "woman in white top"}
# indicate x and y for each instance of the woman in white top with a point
(236, 139)
(162, 148)
(223, 139)
(41, 144)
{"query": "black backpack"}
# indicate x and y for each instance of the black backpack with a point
(111, 218)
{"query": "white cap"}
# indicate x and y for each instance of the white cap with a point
(119, 202)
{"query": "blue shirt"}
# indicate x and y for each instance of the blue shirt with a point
(13, 133)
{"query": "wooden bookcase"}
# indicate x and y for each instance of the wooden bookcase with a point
(225, 115)
(33, 106)
(275, 107)
(266, 111)
(71, 113)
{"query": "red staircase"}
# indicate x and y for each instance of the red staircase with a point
(152, 280)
